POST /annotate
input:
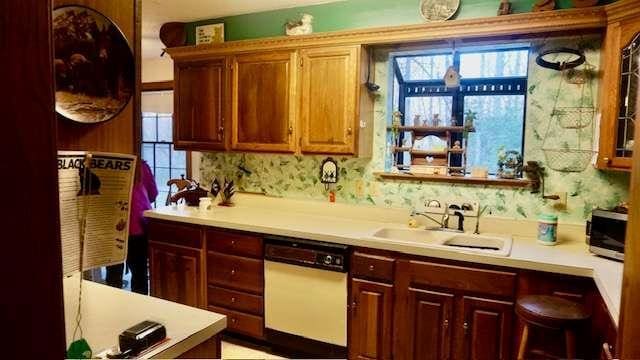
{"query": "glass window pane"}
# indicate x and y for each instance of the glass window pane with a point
(148, 154)
(165, 128)
(176, 173)
(178, 158)
(499, 123)
(162, 155)
(149, 128)
(161, 199)
(426, 67)
(494, 64)
(162, 175)
(421, 109)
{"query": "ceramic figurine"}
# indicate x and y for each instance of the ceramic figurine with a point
(416, 120)
(505, 8)
(300, 27)
(457, 145)
(435, 122)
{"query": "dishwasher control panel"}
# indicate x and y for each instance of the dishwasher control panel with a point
(316, 254)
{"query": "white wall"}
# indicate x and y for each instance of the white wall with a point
(157, 69)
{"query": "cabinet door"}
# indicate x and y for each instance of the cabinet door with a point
(200, 100)
(329, 106)
(430, 319)
(484, 329)
(176, 273)
(371, 320)
(619, 92)
(263, 105)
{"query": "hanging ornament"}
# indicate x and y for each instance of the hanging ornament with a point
(451, 76)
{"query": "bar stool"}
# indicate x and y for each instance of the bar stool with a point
(550, 312)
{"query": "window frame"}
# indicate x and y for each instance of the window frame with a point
(155, 87)
(482, 86)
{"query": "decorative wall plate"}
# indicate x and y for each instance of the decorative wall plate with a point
(94, 65)
(438, 10)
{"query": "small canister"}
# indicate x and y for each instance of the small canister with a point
(548, 229)
(205, 204)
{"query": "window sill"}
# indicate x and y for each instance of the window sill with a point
(490, 181)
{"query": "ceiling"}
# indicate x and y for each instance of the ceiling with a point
(157, 12)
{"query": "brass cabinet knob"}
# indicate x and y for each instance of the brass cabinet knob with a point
(233, 272)
(290, 130)
(234, 320)
(233, 242)
(349, 131)
(607, 160)
(465, 326)
(233, 299)
(371, 267)
(445, 323)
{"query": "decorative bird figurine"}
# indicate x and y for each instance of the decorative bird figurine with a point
(300, 27)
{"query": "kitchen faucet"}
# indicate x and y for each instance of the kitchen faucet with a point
(444, 222)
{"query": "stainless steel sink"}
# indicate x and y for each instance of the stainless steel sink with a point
(497, 245)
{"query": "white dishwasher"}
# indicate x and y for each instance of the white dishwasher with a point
(305, 294)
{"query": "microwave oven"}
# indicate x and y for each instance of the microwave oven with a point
(606, 233)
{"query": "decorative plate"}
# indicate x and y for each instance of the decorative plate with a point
(438, 10)
(94, 65)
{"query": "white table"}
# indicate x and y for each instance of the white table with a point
(107, 311)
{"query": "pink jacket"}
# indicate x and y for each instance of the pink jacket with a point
(144, 193)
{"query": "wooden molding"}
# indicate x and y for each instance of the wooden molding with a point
(623, 9)
(524, 183)
(507, 25)
(157, 86)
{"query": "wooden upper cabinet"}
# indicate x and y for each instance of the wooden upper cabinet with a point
(370, 335)
(484, 330)
(201, 104)
(263, 91)
(619, 90)
(329, 84)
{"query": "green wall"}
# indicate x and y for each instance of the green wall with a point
(349, 14)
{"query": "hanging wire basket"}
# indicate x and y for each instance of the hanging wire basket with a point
(574, 117)
(568, 160)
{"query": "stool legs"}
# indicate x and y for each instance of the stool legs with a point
(522, 351)
(570, 339)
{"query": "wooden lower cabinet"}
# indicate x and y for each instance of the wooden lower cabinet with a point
(176, 273)
(485, 329)
(371, 314)
(428, 331)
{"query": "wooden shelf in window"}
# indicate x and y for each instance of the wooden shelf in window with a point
(491, 181)
(428, 152)
(433, 130)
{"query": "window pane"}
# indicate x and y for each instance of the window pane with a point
(427, 108)
(178, 158)
(149, 128)
(165, 128)
(500, 122)
(162, 155)
(148, 154)
(162, 175)
(494, 64)
(176, 173)
(427, 67)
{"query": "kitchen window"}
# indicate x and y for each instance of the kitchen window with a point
(157, 142)
(492, 84)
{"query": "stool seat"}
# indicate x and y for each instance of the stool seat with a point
(551, 311)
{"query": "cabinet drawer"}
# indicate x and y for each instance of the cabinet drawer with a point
(372, 267)
(482, 281)
(177, 234)
(235, 272)
(240, 322)
(234, 243)
(235, 300)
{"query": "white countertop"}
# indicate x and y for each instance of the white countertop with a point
(350, 225)
(107, 311)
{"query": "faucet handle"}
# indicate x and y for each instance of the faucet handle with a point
(432, 203)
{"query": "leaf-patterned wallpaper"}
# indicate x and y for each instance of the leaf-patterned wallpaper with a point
(298, 176)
